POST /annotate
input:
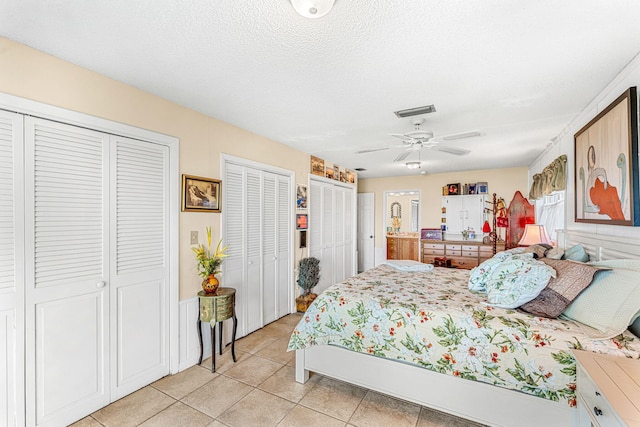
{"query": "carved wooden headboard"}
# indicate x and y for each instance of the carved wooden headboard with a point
(520, 212)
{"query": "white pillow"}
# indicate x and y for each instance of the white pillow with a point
(612, 301)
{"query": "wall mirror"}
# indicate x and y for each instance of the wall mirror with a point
(402, 211)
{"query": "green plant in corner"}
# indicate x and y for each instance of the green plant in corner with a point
(308, 278)
(308, 274)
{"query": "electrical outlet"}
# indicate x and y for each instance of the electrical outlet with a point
(194, 237)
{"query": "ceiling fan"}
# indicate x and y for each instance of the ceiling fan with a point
(422, 138)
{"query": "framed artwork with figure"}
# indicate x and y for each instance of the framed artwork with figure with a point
(201, 194)
(606, 165)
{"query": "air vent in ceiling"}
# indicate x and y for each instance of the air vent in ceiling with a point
(415, 111)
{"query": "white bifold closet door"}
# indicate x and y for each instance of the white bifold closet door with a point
(11, 223)
(332, 231)
(96, 272)
(257, 228)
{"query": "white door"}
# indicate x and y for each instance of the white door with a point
(321, 227)
(234, 231)
(366, 236)
(284, 245)
(340, 222)
(97, 269)
(139, 289)
(257, 227)
(252, 300)
(11, 266)
(269, 248)
(474, 213)
(454, 215)
(67, 274)
(276, 214)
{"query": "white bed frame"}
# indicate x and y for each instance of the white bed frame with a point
(472, 400)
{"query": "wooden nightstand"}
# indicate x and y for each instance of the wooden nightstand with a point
(608, 390)
(216, 308)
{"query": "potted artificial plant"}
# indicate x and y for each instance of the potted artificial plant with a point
(308, 278)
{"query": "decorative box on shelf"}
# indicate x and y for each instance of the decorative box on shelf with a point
(431, 234)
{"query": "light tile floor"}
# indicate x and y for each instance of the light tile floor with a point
(260, 390)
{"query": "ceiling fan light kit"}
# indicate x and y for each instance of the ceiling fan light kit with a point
(413, 165)
(312, 8)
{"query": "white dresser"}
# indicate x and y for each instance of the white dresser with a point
(608, 390)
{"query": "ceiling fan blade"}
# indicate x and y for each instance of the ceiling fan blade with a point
(451, 150)
(402, 156)
(402, 137)
(371, 150)
(461, 135)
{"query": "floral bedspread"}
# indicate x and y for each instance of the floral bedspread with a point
(431, 319)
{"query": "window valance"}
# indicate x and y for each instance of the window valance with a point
(552, 178)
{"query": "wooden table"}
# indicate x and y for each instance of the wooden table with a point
(216, 308)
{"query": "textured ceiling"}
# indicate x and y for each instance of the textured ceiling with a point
(516, 71)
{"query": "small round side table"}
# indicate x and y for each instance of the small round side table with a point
(216, 308)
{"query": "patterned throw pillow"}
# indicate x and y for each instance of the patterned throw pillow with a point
(516, 280)
(571, 279)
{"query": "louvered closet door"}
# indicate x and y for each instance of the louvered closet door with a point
(257, 228)
(252, 300)
(139, 250)
(321, 225)
(276, 244)
(10, 265)
(339, 235)
(67, 340)
(284, 286)
(269, 249)
(348, 231)
(233, 271)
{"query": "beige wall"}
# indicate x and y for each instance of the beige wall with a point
(28, 73)
(503, 182)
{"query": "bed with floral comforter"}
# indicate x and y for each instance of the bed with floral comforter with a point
(432, 320)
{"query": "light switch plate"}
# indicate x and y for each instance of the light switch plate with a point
(194, 237)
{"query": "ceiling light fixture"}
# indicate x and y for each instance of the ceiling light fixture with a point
(312, 8)
(413, 165)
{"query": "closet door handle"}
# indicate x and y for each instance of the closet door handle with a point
(101, 284)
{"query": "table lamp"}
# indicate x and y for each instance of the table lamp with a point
(534, 234)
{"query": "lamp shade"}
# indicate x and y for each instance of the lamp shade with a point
(312, 8)
(534, 234)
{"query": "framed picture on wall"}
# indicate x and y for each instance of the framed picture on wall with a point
(301, 196)
(201, 194)
(606, 165)
(317, 166)
(301, 221)
(303, 239)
